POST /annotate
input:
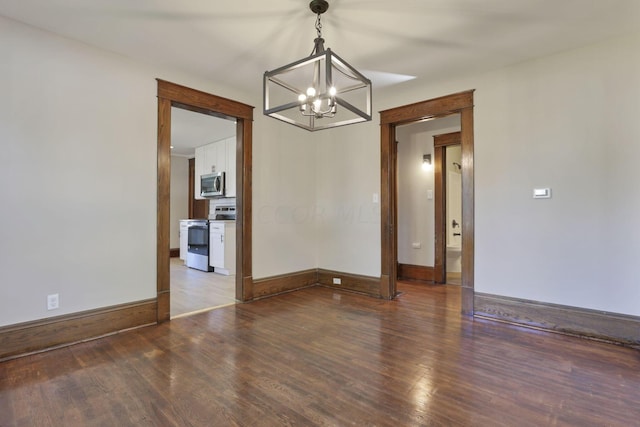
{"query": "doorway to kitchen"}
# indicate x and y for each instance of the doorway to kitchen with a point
(460, 103)
(198, 142)
(172, 95)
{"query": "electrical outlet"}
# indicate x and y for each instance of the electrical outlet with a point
(53, 301)
(337, 281)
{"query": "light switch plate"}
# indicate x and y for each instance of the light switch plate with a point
(541, 193)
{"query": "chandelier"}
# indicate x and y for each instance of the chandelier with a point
(320, 91)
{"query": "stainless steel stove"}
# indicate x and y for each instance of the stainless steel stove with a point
(198, 245)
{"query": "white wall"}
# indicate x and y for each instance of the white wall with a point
(179, 191)
(79, 132)
(348, 161)
(568, 122)
(78, 217)
(284, 198)
(79, 176)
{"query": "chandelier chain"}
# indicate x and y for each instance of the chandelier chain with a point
(319, 27)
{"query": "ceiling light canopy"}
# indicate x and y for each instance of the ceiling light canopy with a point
(320, 91)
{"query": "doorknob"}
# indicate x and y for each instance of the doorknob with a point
(454, 224)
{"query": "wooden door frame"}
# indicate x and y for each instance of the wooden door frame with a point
(440, 143)
(174, 95)
(458, 103)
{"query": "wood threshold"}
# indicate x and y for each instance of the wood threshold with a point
(40, 335)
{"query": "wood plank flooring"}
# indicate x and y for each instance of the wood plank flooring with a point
(194, 291)
(323, 357)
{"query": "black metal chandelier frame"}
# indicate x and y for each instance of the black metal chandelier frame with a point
(321, 104)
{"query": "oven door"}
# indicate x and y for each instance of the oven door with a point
(198, 239)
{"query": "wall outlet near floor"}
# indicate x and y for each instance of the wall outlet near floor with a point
(53, 301)
(337, 281)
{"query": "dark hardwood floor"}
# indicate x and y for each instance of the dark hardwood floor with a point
(323, 357)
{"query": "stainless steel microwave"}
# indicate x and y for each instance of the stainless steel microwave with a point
(212, 185)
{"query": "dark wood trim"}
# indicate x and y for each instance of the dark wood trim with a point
(203, 102)
(439, 207)
(424, 110)
(174, 252)
(39, 335)
(618, 328)
(458, 103)
(275, 285)
(164, 207)
(192, 175)
(468, 209)
(244, 207)
(389, 211)
(440, 142)
(171, 94)
(416, 272)
(351, 282)
(197, 208)
(446, 139)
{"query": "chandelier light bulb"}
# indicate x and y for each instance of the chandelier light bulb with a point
(311, 91)
(333, 91)
(316, 104)
(302, 97)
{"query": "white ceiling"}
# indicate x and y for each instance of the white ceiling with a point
(190, 130)
(235, 42)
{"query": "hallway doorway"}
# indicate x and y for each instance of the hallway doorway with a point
(459, 103)
(421, 199)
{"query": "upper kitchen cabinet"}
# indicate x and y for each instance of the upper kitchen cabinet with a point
(219, 156)
(230, 175)
(198, 168)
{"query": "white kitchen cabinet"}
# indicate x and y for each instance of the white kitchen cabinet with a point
(199, 167)
(222, 247)
(214, 157)
(230, 176)
(219, 156)
(219, 161)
